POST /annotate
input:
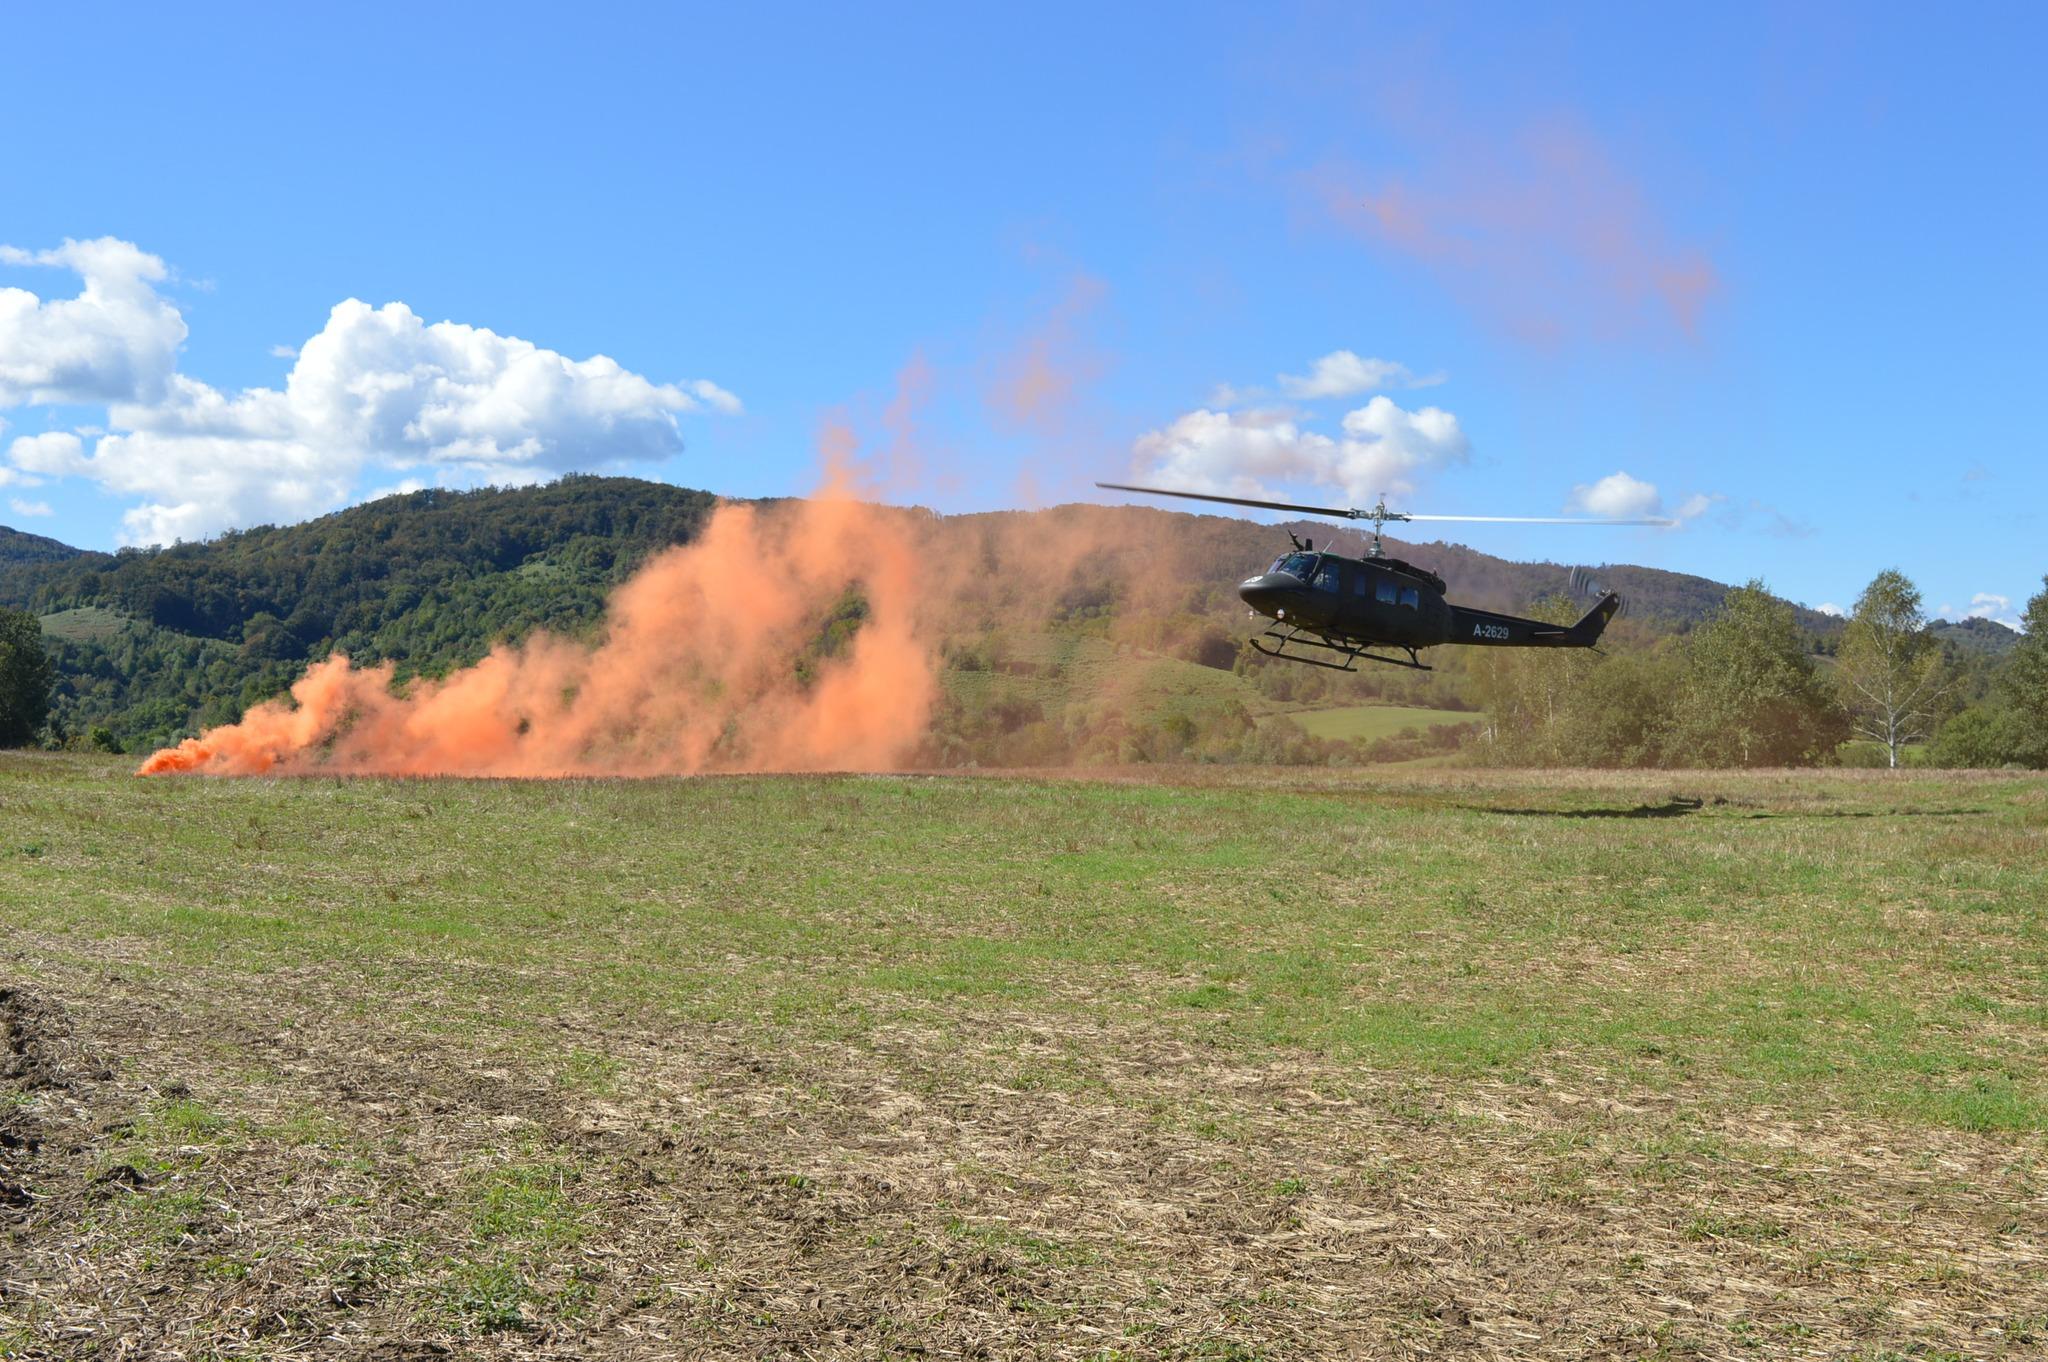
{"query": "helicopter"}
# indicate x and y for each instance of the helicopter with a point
(1364, 609)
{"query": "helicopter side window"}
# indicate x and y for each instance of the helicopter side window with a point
(1331, 578)
(1384, 590)
(1411, 598)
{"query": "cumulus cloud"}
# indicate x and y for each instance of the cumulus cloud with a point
(1622, 497)
(1382, 448)
(29, 508)
(1830, 608)
(117, 341)
(1342, 373)
(377, 388)
(57, 453)
(1989, 605)
(1618, 495)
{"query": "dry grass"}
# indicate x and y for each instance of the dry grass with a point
(336, 1070)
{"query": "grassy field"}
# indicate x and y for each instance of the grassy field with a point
(88, 624)
(1192, 1063)
(1363, 723)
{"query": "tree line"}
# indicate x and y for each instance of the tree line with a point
(1745, 689)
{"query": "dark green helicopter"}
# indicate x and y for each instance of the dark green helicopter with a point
(1352, 606)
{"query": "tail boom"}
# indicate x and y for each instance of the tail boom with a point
(1487, 629)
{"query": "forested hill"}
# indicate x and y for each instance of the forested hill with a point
(339, 580)
(156, 643)
(17, 546)
(1977, 636)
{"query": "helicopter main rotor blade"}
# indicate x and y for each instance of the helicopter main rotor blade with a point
(1544, 519)
(1342, 512)
(1379, 513)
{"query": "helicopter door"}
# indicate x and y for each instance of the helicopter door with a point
(1331, 577)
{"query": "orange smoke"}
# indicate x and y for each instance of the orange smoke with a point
(1544, 230)
(712, 660)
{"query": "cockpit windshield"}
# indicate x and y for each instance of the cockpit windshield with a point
(1299, 565)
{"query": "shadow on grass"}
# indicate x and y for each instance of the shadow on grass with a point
(1674, 807)
(1679, 806)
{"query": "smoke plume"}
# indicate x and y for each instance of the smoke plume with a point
(793, 636)
(717, 656)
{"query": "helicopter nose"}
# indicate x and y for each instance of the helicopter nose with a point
(1267, 593)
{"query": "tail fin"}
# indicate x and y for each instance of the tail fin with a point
(1587, 631)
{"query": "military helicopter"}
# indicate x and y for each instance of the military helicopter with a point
(1351, 607)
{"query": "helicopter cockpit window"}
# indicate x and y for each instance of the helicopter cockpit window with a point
(1302, 565)
(1331, 578)
(1383, 589)
(1411, 598)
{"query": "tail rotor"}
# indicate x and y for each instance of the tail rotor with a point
(1586, 586)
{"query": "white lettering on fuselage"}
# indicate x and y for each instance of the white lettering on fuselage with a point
(1493, 631)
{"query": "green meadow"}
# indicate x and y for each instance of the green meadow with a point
(1364, 723)
(1697, 1028)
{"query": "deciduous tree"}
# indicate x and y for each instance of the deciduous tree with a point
(2023, 684)
(25, 677)
(1752, 694)
(1890, 670)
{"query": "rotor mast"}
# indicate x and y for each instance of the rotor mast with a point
(1379, 515)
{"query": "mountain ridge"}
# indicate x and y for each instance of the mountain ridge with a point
(19, 546)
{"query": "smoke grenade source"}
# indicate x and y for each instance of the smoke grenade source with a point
(696, 671)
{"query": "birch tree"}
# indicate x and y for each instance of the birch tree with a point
(1890, 670)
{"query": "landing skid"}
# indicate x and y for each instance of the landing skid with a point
(1286, 639)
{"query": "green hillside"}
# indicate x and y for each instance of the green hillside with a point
(16, 546)
(1982, 636)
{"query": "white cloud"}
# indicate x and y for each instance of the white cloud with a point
(406, 487)
(1830, 608)
(284, 352)
(376, 388)
(1619, 495)
(1988, 605)
(1230, 395)
(1239, 453)
(29, 508)
(715, 397)
(1344, 374)
(117, 341)
(57, 453)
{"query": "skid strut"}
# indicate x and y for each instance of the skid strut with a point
(1286, 640)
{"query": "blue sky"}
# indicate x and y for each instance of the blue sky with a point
(1779, 267)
